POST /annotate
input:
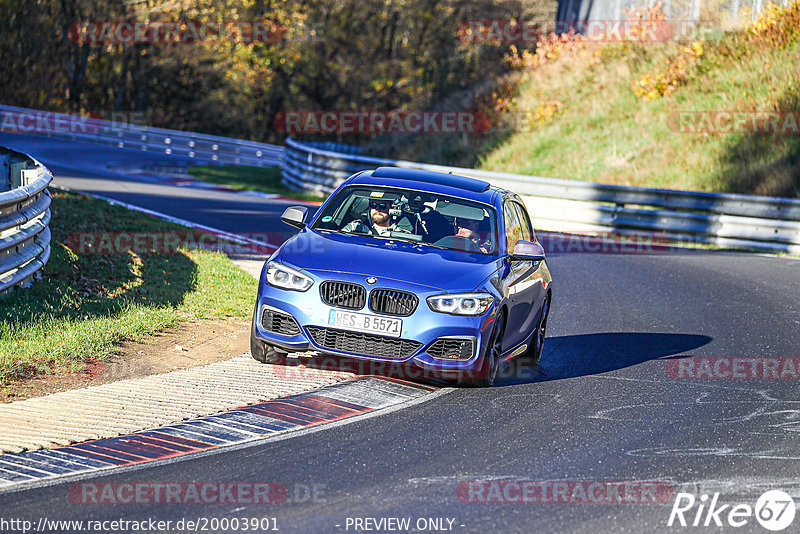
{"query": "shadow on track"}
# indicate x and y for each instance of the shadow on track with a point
(564, 357)
(589, 354)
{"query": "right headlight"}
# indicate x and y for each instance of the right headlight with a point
(461, 303)
(284, 277)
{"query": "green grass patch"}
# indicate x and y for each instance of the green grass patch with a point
(85, 304)
(264, 179)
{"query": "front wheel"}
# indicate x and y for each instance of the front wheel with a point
(491, 359)
(262, 351)
(534, 353)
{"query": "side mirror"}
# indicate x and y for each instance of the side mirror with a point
(527, 251)
(295, 216)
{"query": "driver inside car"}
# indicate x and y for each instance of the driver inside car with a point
(380, 222)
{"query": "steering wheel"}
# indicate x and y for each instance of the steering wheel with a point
(458, 243)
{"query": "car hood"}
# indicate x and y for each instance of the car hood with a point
(448, 270)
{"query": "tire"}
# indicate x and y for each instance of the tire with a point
(261, 351)
(491, 358)
(534, 353)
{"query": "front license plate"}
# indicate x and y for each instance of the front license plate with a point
(361, 322)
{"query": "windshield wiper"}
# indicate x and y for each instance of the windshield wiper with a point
(337, 231)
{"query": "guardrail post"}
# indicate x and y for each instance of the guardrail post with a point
(5, 178)
(15, 177)
(28, 175)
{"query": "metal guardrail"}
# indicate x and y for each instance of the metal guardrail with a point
(24, 218)
(571, 206)
(201, 147)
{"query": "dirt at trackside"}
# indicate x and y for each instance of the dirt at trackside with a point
(197, 342)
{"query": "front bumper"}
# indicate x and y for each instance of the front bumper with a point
(424, 327)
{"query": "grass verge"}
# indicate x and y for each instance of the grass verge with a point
(85, 304)
(604, 133)
(264, 179)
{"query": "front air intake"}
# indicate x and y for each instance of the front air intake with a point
(452, 348)
(363, 344)
(278, 322)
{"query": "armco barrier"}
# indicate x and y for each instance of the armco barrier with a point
(24, 218)
(726, 220)
(200, 147)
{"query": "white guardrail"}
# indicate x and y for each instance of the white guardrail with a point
(731, 221)
(200, 147)
(24, 218)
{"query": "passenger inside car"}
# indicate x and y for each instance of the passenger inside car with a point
(468, 229)
(465, 223)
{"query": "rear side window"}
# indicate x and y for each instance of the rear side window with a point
(513, 226)
(525, 221)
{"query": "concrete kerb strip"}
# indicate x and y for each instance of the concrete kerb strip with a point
(337, 403)
(138, 403)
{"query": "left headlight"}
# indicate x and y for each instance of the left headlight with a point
(284, 277)
(461, 304)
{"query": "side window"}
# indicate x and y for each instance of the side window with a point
(513, 226)
(525, 221)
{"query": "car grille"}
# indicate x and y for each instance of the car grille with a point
(279, 323)
(364, 344)
(391, 302)
(452, 349)
(343, 295)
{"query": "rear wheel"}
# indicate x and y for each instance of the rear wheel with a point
(261, 351)
(491, 359)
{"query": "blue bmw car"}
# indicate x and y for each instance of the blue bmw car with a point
(431, 271)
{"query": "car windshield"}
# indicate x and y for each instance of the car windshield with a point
(414, 216)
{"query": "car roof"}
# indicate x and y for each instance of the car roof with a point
(430, 181)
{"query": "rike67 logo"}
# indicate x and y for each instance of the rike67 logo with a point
(774, 510)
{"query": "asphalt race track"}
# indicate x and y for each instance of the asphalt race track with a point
(605, 405)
